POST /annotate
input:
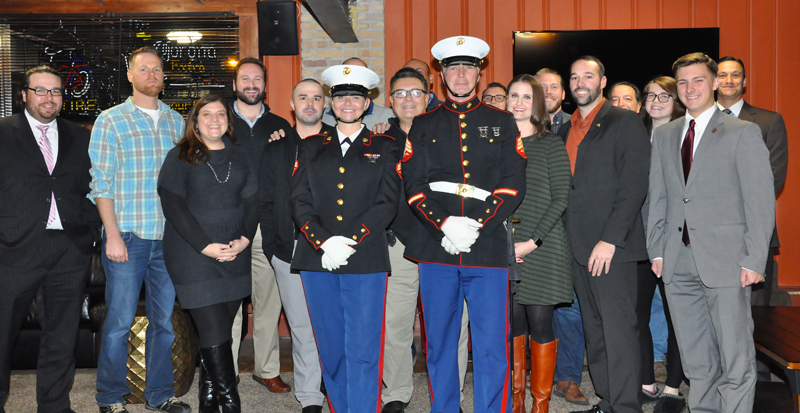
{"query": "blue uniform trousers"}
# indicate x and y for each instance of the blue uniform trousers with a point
(347, 315)
(443, 289)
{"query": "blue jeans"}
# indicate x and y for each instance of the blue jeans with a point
(568, 329)
(658, 327)
(123, 283)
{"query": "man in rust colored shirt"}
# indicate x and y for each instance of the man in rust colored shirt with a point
(609, 153)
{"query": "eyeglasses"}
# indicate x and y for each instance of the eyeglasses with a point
(663, 97)
(402, 93)
(496, 98)
(40, 91)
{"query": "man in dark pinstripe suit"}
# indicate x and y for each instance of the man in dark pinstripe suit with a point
(47, 228)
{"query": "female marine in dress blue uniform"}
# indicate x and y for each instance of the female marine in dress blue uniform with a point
(345, 194)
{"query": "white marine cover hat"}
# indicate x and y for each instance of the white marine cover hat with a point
(460, 50)
(350, 80)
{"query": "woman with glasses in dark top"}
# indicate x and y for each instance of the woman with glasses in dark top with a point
(661, 105)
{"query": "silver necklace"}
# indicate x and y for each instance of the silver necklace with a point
(215, 173)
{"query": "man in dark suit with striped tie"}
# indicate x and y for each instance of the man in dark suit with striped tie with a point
(732, 81)
(47, 229)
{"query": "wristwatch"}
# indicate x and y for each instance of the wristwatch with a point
(537, 241)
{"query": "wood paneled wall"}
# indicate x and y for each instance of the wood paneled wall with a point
(762, 33)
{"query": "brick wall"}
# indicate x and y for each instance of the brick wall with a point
(319, 51)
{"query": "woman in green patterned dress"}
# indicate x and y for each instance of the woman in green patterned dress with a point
(540, 243)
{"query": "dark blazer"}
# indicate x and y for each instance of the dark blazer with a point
(26, 187)
(354, 196)
(773, 131)
(275, 194)
(609, 186)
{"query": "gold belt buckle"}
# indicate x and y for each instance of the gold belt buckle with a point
(467, 191)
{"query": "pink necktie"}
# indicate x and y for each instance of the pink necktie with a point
(47, 152)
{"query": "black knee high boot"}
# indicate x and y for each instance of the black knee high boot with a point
(205, 392)
(219, 362)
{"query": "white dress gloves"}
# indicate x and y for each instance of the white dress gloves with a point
(337, 250)
(461, 232)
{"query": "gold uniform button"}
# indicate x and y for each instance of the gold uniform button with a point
(466, 163)
(423, 205)
(363, 230)
(488, 211)
(355, 237)
(434, 141)
(480, 220)
(463, 125)
(463, 136)
(494, 202)
(491, 140)
(430, 212)
(317, 242)
(438, 220)
(464, 148)
(462, 116)
(341, 169)
(340, 201)
(340, 186)
(306, 227)
(466, 175)
(312, 235)
(338, 217)
(365, 140)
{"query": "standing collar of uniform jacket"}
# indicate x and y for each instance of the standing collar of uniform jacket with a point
(463, 106)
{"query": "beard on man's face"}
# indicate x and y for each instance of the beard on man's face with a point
(256, 99)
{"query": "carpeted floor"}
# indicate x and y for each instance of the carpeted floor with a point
(255, 398)
(771, 397)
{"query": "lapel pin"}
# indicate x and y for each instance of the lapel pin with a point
(598, 125)
(715, 129)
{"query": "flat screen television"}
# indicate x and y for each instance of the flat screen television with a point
(636, 56)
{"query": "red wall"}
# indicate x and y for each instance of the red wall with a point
(763, 33)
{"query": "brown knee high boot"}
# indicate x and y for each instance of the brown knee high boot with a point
(543, 368)
(519, 374)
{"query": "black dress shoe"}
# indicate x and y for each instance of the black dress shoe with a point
(670, 403)
(312, 409)
(394, 407)
(650, 398)
(594, 409)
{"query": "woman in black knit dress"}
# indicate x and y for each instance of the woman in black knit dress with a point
(208, 193)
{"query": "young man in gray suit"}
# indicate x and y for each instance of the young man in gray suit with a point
(711, 217)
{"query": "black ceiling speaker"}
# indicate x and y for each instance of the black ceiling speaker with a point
(277, 28)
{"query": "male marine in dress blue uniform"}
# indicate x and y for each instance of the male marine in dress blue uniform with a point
(346, 190)
(464, 173)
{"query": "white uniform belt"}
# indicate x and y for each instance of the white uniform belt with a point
(467, 191)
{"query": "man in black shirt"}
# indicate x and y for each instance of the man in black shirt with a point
(253, 123)
(278, 231)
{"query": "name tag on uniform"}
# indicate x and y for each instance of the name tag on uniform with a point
(372, 157)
